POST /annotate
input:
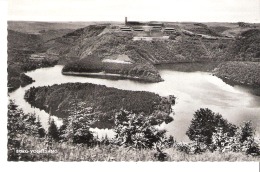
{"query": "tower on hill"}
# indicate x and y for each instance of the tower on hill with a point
(125, 20)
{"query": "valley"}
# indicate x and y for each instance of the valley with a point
(141, 81)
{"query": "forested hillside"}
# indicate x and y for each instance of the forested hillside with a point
(100, 102)
(22, 44)
(245, 73)
(247, 46)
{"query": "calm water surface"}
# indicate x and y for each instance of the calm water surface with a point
(193, 90)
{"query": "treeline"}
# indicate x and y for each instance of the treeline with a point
(100, 101)
(137, 139)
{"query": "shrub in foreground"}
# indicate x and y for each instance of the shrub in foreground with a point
(204, 124)
(243, 140)
(209, 131)
(137, 131)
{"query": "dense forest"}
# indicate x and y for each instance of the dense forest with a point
(245, 73)
(246, 47)
(100, 101)
(141, 71)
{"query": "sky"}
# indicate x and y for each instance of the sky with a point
(141, 10)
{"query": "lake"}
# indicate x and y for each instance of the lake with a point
(194, 90)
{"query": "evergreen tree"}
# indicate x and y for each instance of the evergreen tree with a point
(41, 130)
(53, 131)
(246, 131)
(77, 129)
(62, 131)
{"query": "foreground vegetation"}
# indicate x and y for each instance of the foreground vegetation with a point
(72, 152)
(137, 139)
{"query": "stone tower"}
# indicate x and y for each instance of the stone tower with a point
(125, 20)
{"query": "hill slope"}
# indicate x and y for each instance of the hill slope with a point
(98, 42)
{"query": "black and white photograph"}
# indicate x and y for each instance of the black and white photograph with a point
(133, 81)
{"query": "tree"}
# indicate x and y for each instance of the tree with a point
(78, 124)
(41, 130)
(137, 131)
(14, 127)
(77, 130)
(62, 130)
(20, 126)
(246, 131)
(53, 131)
(19, 122)
(204, 124)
